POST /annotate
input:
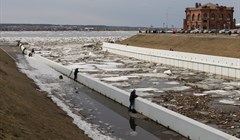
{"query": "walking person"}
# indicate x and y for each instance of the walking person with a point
(75, 74)
(132, 100)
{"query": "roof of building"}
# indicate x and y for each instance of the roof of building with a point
(209, 6)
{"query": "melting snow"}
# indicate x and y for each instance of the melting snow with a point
(41, 69)
(115, 79)
(146, 89)
(232, 83)
(172, 83)
(229, 102)
(218, 92)
(199, 94)
(167, 72)
(181, 88)
(157, 75)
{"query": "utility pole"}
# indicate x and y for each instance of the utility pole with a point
(1, 13)
(167, 18)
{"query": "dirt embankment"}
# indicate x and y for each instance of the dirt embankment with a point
(211, 45)
(26, 113)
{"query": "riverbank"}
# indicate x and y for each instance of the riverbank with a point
(210, 45)
(26, 112)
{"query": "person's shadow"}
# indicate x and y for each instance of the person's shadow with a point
(132, 123)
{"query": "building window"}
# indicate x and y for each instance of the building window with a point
(212, 16)
(229, 17)
(193, 27)
(205, 16)
(221, 17)
(188, 17)
(193, 17)
(199, 17)
(228, 26)
(220, 26)
(204, 26)
(212, 26)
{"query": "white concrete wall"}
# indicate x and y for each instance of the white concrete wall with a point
(177, 122)
(224, 66)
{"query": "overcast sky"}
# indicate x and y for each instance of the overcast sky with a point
(103, 12)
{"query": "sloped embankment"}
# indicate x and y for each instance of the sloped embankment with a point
(210, 45)
(26, 113)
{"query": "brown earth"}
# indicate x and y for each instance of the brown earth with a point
(212, 45)
(26, 113)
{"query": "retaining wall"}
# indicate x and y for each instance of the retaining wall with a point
(177, 122)
(224, 66)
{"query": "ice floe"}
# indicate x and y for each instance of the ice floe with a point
(200, 94)
(115, 79)
(229, 102)
(233, 83)
(218, 92)
(180, 88)
(172, 83)
(168, 72)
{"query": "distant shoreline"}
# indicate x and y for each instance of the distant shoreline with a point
(52, 27)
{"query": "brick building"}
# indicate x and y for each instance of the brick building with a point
(209, 16)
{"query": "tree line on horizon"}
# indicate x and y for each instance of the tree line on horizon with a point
(52, 27)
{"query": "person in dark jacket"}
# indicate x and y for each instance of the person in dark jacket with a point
(75, 74)
(33, 51)
(132, 100)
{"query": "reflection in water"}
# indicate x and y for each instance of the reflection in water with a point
(133, 126)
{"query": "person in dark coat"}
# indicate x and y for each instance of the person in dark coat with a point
(33, 51)
(132, 100)
(75, 74)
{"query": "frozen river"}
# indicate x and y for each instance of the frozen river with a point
(207, 98)
(96, 115)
